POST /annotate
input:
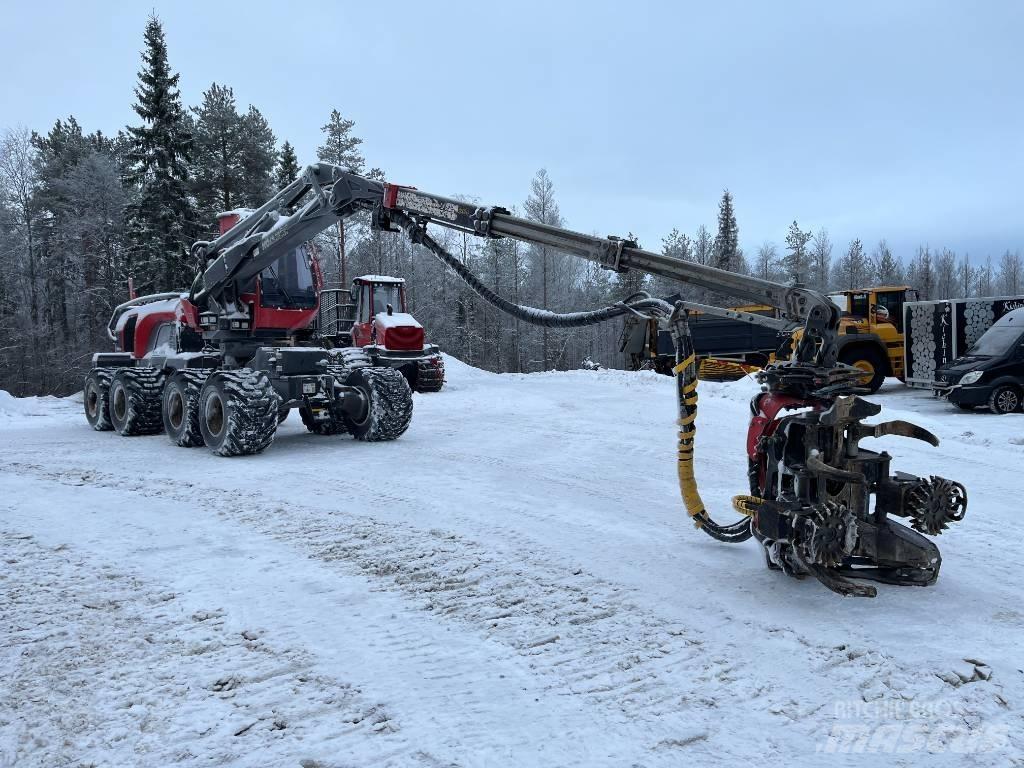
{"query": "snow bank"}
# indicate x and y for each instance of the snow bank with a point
(21, 411)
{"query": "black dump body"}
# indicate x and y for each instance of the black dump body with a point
(726, 338)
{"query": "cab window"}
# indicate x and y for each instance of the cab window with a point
(894, 303)
(384, 295)
(288, 282)
(364, 304)
(859, 305)
(161, 337)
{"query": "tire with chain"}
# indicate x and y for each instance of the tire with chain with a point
(135, 395)
(238, 412)
(180, 407)
(429, 375)
(388, 404)
(96, 398)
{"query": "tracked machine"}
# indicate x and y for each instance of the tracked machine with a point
(818, 502)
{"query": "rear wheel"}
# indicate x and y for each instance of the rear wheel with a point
(1004, 399)
(96, 398)
(180, 408)
(238, 412)
(429, 375)
(388, 408)
(135, 395)
(870, 361)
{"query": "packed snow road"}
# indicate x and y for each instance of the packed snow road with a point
(513, 582)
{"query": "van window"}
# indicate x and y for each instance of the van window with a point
(997, 340)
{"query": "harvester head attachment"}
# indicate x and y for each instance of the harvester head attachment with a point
(825, 502)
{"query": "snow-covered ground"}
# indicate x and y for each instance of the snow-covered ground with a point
(514, 582)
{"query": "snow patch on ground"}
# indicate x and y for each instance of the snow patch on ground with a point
(513, 582)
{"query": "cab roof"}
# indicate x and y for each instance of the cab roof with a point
(378, 279)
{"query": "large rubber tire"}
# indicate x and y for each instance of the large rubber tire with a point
(389, 404)
(135, 395)
(96, 398)
(1005, 398)
(333, 426)
(429, 375)
(238, 412)
(868, 359)
(179, 407)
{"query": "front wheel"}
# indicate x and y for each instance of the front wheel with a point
(1004, 399)
(387, 407)
(868, 360)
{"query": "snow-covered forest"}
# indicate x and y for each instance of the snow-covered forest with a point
(82, 213)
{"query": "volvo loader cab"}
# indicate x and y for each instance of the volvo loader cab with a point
(991, 374)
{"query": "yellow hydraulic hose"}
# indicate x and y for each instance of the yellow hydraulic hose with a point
(685, 371)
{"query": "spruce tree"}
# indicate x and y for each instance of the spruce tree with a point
(217, 154)
(258, 156)
(161, 221)
(726, 245)
(287, 169)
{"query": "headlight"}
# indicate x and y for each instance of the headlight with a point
(970, 378)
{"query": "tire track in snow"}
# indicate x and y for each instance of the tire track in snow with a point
(583, 636)
(179, 686)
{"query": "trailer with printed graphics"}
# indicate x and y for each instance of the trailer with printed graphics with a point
(938, 332)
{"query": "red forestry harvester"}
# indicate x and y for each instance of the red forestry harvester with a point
(223, 364)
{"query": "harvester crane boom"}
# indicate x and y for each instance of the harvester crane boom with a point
(324, 194)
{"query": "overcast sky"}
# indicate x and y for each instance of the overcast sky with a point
(873, 119)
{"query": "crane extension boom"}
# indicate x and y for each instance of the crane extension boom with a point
(262, 236)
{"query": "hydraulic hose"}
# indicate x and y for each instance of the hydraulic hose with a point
(685, 369)
(532, 315)
(685, 372)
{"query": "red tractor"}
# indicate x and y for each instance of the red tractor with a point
(223, 364)
(372, 316)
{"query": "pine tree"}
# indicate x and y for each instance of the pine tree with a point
(541, 207)
(921, 273)
(821, 260)
(341, 148)
(888, 267)
(966, 277)
(796, 261)
(1011, 273)
(855, 267)
(161, 221)
(287, 169)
